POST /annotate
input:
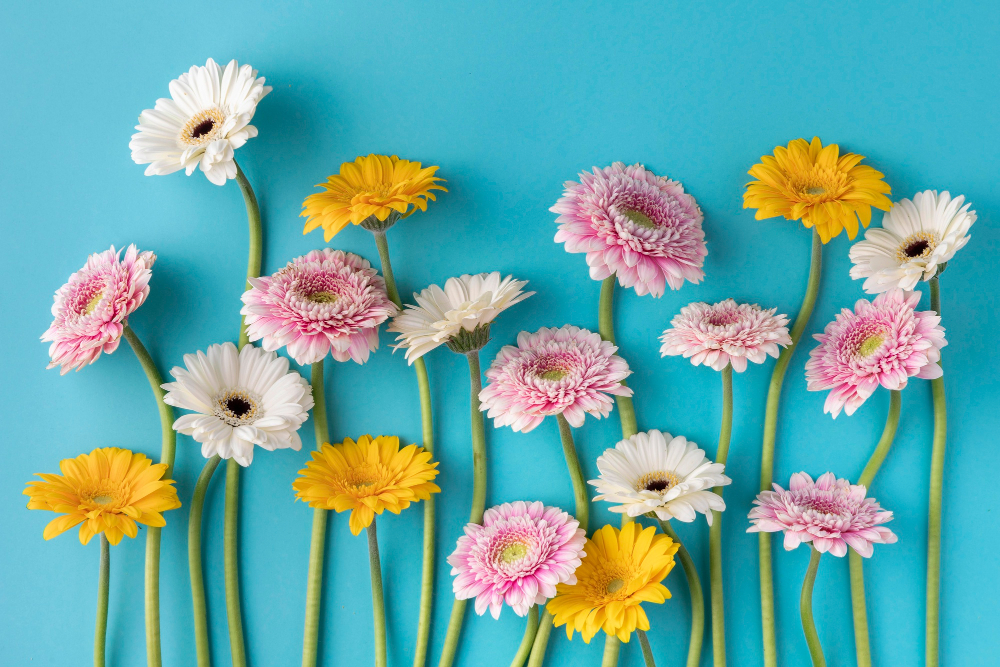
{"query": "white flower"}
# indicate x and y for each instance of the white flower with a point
(240, 399)
(205, 122)
(916, 237)
(646, 473)
(467, 303)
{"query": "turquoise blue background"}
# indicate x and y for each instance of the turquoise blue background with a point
(510, 99)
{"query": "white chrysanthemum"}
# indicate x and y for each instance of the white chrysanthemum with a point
(916, 238)
(655, 472)
(466, 304)
(206, 120)
(239, 399)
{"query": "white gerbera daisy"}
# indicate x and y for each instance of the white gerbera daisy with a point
(916, 238)
(239, 399)
(206, 120)
(459, 315)
(655, 472)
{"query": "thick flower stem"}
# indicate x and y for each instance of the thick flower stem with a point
(606, 327)
(575, 473)
(103, 584)
(647, 650)
(390, 280)
(530, 629)
(934, 504)
(194, 562)
(697, 597)
(232, 566)
(541, 641)
(806, 610)
(715, 533)
(317, 543)
(612, 645)
(767, 448)
(378, 601)
(256, 239)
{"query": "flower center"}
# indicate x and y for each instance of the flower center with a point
(825, 505)
(721, 319)
(324, 296)
(237, 407)
(614, 585)
(870, 344)
(363, 476)
(513, 552)
(639, 218)
(102, 500)
(203, 127)
(818, 190)
(916, 246)
(92, 304)
(657, 482)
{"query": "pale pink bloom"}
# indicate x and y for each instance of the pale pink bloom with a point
(91, 310)
(325, 301)
(568, 371)
(635, 224)
(517, 556)
(831, 513)
(884, 342)
(726, 333)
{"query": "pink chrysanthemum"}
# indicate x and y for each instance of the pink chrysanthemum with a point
(91, 310)
(567, 370)
(327, 300)
(725, 333)
(831, 513)
(881, 343)
(633, 223)
(517, 556)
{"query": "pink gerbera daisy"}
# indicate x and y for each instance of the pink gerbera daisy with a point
(91, 310)
(517, 556)
(635, 224)
(325, 301)
(568, 371)
(884, 342)
(725, 333)
(831, 513)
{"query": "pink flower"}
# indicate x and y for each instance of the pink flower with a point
(327, 300)
(633, 223)
(568, 371)
(725, 333)
(517, 556)
(881, 343)
(91, 310)
(831, 513)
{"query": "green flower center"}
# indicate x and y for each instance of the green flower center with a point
(816, 191)
(513, 552)
(614, 585)
(324, 296)
(639, 218)
(870, 344)
(102, 500)
(553, 374)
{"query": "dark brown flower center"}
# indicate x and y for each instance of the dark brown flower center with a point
(238, 406)
(917, 248)
(202, 128)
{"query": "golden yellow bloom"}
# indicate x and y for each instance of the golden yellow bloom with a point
(818, 186)
(376, 185)
(620, 571)
(367, 477)
(107, 490)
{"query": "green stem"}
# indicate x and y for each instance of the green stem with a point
(317, 543)
(715, 532)
(806, 610)
(697, 597)
(612, 645)
(194, 562)
(232, 565)
(606, 327)
(767, 448)
(390, 280)
(541, 641)
(575, 473)
(103, 585)
(934, 504)
(530, 629)
(256, 239)
(647, 650)
(378, 602)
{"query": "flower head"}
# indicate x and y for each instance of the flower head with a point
(916, 238)
(725, 333)
(108, 491)
(239, 399)
(91, 310)
(205, 120)
(655, 472)
(621, 570)
(635, 224)
(367, 477)
(831, 513)
(518, 556)
(376, 187)
(459, 315)
(818, 186)
(885, 342)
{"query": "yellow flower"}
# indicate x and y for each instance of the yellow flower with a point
(107, 490)
(376, 185)
(366, 477)
(620, 571)
(818, 186)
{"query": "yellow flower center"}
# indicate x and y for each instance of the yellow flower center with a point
(513, 552)
(324, 296)
(203, 127)
(817, 184)
(94, 300)
(363, 476)
(102, 500)
(237, 407)
(870, 344)
(658, 482)
(916, 246)
(639, 218)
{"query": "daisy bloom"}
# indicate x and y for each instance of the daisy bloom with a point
(635, 224)
(367, 477)
(459, 315)
(621, 570)
(91, 310)
(725, 333)
(916, 238)
(205, 120)
(108, 491)
(518, 556)
(568, 371)
(884, 342)
(239, 399)
(375, 190)
(818, 186)
(831, 513)
(325, 301)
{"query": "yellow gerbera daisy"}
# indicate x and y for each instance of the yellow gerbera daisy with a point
(818, 186)
(107, 490)
(621, 570)
(374, 186)
(366, 477)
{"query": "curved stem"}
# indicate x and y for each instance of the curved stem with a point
(537, 656)
(317, 542)
(697, 597)
(103, 586)
(232, 565)
(934, 503)
(390, 280)
(575, 473)
(606, 327)
(530, 629)
(194, 562)
(647, 650)
(767, 448)
(256, 239)
(715, 532)
(806, 610)
(378, 602)
(167, 434)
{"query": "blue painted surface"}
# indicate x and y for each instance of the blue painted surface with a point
(511, 99)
